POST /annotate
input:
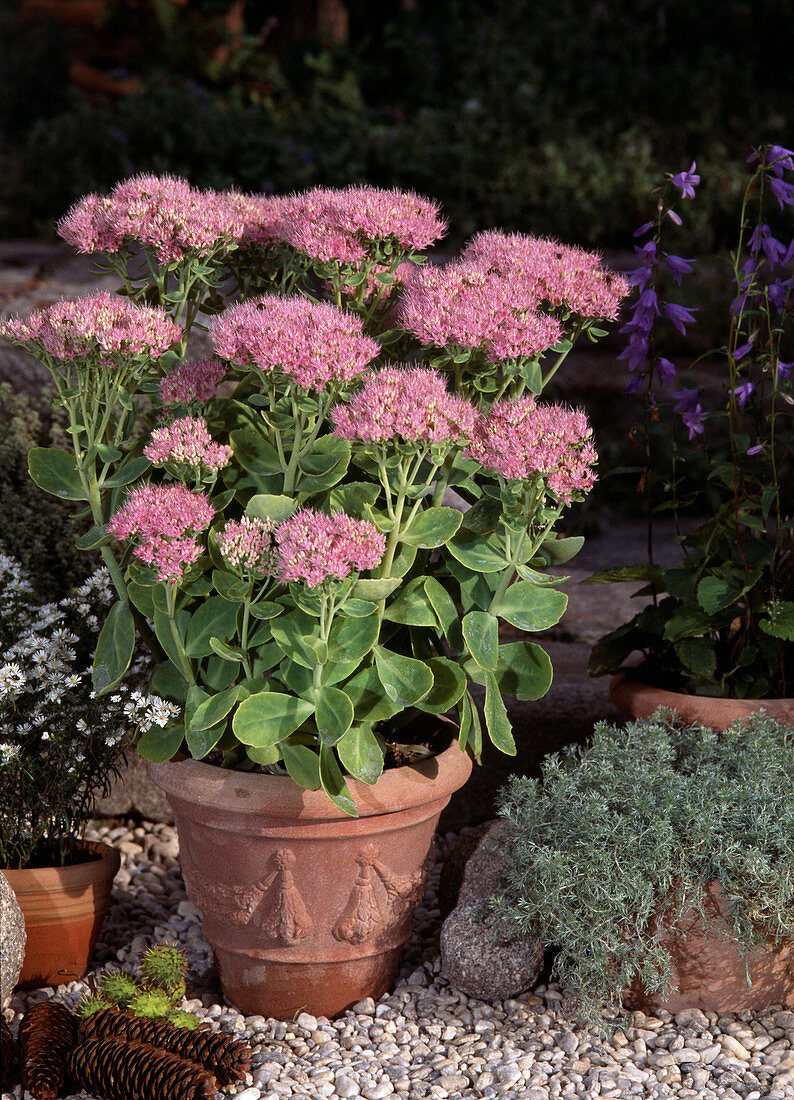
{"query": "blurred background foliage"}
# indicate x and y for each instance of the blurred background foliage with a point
(551, 118)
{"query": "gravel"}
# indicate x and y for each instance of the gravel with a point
(426, 1039)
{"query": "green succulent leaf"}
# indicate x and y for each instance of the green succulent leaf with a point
(432, 528)
(496, 721)
(55, 472)
(405, 680)
(531, 607)
(269, 717)
(481, 634)
(115, 648)
(333, 713)
(361, 754)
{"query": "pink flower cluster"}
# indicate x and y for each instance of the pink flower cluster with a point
(329, 224)
(247, 544)
(520, 439)
(163, 213)
(312, 342)
(166, 518)
(465, 304)
(189, 382)
(103, 322)
(187, 441)
(565, 276)
(404, 403)
(313, 546)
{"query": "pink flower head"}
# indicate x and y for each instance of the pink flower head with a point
(262, 216)
(407, 404)
(103, 322)
(314, 343)
(163, 213)
(520, 439)
(565, 276)
(186, 441)
(166, 518)
(465, 304)
(329, 224)
(313, 546)
(247, 544)
(170, 557)
(189, 382)
(88, 225)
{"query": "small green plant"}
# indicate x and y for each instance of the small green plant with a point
(620, 838)
(155, 993)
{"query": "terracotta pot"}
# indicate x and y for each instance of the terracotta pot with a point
(709, 971)
(306, 909)
(638, 699)
(64, 908)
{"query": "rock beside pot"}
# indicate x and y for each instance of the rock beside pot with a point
(12, 940)
(472, 959)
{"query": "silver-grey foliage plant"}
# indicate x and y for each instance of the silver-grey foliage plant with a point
(619, 838)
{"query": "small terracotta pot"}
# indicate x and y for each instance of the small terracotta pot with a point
(306, 909)
(709, 971)
(64, 908)
(638, 699)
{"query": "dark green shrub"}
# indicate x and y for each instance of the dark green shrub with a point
(37, 530)
(619, 839)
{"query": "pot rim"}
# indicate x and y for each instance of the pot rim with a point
(279, 796)
(74, 875)
(634, 696)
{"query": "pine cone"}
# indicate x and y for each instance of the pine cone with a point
(228, 1058)
(46, 1036)
(120, 1070)
(6, 1052)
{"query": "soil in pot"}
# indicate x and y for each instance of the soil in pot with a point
(709, 971)
(64, 909)
(307, 909)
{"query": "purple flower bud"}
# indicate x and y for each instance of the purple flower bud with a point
(779, 158)
(679, 267)
(671, 214)
(756, 450)
(783, 192)
(743, 393)
(687, 181)
(643, 229)
(743, 350)
(639, 277)
(666, 372)
(679, 316)
(687, 400)
(778, 292)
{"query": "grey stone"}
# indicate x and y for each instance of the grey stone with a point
(12, 940)
(135, 793)
(471, 958)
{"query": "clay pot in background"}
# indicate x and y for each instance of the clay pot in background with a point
(638, 699)
(306, 909)
(64, 908)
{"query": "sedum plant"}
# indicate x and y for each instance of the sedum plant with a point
(721, 622)
(618, 840)
(320, 528)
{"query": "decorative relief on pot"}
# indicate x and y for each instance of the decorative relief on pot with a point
(363, 915)
(285, 919)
